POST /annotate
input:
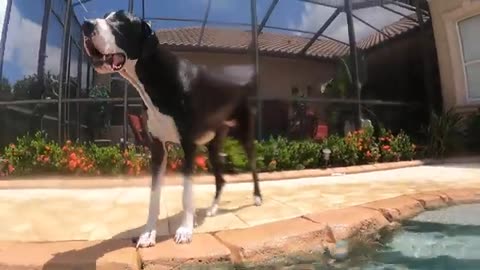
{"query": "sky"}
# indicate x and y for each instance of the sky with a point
(21, 54)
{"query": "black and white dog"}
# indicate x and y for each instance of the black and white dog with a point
(185, 104)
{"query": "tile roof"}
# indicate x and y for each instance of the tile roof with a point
(275, 43)
(394, 30)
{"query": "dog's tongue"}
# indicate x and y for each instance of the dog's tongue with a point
(118, 60)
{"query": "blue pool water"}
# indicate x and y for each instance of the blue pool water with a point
(445, 239)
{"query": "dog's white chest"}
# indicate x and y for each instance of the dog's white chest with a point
(161, 126)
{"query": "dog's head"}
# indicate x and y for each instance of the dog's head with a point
(112, 41)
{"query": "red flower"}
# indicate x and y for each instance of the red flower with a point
(386, 147)
(11, 169)
(201, 162)
(368, 154)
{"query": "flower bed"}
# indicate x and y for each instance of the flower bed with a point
(37, 155)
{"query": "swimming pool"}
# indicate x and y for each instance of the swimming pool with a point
(445, 239)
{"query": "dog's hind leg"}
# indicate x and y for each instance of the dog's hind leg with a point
(185, 232)
(158, 164)
(213, 152)
(247, 138)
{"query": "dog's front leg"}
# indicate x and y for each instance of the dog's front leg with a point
(158, 164)
(185, 232)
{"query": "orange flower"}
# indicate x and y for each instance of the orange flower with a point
(72, 164)
(73, 156)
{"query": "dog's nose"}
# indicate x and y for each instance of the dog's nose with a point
(88, 27)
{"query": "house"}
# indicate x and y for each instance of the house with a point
(456, 25)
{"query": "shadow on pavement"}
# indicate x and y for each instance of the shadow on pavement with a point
(88, 257)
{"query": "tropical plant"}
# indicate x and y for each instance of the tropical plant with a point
(444, 133)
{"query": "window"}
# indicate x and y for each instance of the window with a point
(75, 53)
(468, 30)
(59, 7)
(20, 61)
(53, 49)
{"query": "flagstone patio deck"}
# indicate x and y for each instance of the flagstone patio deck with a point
(33, 215)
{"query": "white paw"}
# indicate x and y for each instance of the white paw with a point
(147, 239)
(183, 235)
(257, 200)
(212, 211)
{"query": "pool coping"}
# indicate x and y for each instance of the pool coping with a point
(75, 182)
(313, 232)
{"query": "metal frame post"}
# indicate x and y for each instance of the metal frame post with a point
(354, 60)
(253, 13)
(125, 93)
(205, 19)
(63, 66)
(6, 21)
(427, 75)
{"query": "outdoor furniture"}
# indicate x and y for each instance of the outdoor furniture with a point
(136, 124)
(321, 132)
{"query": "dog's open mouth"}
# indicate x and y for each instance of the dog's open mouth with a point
(115, 60)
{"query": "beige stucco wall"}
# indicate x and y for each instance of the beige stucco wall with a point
(445, 16)
(277, 75)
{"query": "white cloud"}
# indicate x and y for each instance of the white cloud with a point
(23, 39)
(3, 7)
(314, 16)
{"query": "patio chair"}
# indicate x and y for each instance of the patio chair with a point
(136, 124)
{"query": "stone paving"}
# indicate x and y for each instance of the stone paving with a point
(46, 215)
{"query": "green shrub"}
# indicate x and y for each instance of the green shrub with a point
(402, 144)
(35, 154)
(236, 159)
(343, 153)
(107, 159)
(443, 133)
(365, 144)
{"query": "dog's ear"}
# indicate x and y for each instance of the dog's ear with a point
(146, 29)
